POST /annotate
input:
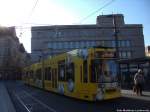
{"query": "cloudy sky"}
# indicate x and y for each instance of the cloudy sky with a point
(26, 13)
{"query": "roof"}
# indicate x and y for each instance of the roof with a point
(7, 31)
(92, 26)
(63, 27)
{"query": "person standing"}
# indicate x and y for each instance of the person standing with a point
(139, 81)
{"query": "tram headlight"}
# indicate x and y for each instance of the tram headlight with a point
(100, 94)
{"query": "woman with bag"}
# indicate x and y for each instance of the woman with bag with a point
(138, 82)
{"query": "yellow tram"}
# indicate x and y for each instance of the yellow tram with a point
(88, 74)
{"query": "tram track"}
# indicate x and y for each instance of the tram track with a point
(22, 103)
(32, 104)
(25, 101)
(29, 99)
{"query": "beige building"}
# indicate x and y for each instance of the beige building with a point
(147, 51)
(12, 54)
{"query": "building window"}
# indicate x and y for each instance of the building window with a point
(39, 33)
(109, 43)
(54, 45)
(76, 44)
(59, 45)
(120, 55)
(119, 43)
(50, 45)
(88, 44)
(59, 34)
(71, 45)
(66, 45)
(129, 54)
(124, 43)
(125, 54)
(128, 44)
(93, 43)
(113, 43)
(82, 44)
(103, 43)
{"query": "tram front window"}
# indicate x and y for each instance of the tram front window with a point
(103, 71)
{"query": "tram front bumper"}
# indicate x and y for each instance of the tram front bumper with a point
(112, 94)
(108, 91)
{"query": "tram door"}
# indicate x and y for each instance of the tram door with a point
(54, 78)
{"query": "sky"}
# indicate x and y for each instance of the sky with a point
(26, 13)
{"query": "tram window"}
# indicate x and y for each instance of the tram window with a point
(61, 70)
(31, 74)
(85, 73)
(93, 74)
(81, 73)
(38, 74)
(26, 74)
(34, 77)
(45, 73)
(48, 73)
(96, 71)
(70, 71)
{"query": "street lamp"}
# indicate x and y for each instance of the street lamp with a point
(116, 46)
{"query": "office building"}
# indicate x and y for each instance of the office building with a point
(109, 31)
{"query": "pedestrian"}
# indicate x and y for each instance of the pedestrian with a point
(138, 82)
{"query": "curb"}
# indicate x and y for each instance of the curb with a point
(6, 105)
(130, 94)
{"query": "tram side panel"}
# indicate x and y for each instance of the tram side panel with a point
(72, 79)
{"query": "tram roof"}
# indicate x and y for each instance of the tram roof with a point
(135, 60)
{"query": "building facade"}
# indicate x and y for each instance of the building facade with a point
(129, 67)
(109, 31)
(147, 51)
(12, 54)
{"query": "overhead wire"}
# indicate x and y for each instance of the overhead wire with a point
(33, 24)
(97, 10)
(85, 18)
(29, 16)
(33, 8)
